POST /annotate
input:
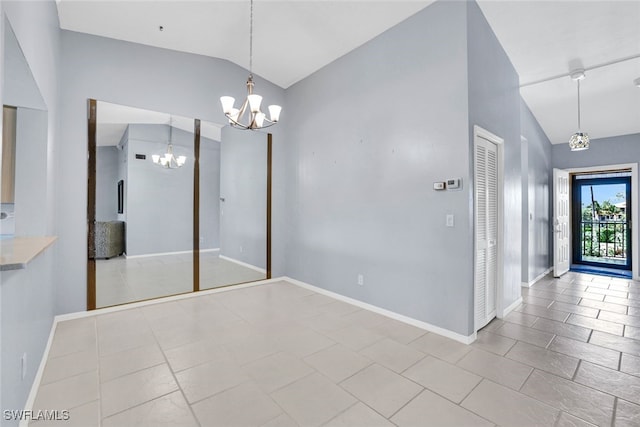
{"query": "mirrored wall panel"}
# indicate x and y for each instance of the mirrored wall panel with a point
(143, 230)
(180, 205)
(233, 207)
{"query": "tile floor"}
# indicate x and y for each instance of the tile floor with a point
(281, 355)
(121, 280)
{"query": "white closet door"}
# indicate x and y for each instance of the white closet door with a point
(486, 200)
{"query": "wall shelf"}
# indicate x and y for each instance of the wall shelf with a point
(17, 252)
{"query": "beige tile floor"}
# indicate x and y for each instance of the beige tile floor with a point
(280, 355)
(121, 280)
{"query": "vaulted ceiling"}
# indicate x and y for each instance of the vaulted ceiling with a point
(293, 39)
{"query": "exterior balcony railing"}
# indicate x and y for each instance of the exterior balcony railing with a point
(604, 241)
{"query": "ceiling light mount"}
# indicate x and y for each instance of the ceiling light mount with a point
(580, 140)
(255, 119)
(577, 74)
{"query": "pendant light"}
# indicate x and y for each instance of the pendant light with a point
(580, 140)
(255, 119)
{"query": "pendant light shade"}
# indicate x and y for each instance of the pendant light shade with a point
(579, 141)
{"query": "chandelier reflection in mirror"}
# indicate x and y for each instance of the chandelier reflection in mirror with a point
(249, 115)
(580, 140)
(168, 160)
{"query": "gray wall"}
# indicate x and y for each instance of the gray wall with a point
(140, 76)
(209, 194)
(243, 184)
(387, 120)
(538, 176)
(27, 296)
(107, 177)
(494, 104)
(604, 151)
(31, 172)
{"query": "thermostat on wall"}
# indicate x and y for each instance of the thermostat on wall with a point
(453, 183)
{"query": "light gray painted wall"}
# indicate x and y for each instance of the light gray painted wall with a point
(27, 296)
(209, 194)
(141, 76)
(385, 122)
(23, 89)
(243, 184)
(494, 104)
(107, 177)
(31, 172)
(537, 230)
(603, 151)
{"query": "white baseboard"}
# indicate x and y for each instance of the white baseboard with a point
(537, 279)
(167, 253)
(127, 306)
(244, 264)
(391, 314)
(511, 307)
(31, 398)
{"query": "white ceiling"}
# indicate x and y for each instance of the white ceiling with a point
(294, 38)
(545, 38)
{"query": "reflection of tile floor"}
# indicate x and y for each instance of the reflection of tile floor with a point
(280, 355)
(121, 280)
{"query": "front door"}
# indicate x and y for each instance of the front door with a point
(602, 220)
(561, 260)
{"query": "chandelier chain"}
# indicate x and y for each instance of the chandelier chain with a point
(251, 41)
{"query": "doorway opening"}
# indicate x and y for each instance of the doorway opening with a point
(601, 222)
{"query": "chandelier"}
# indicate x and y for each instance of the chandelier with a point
(168, 160)
(580, 140)
(249, 116)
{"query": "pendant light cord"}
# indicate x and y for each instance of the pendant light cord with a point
(579, 128)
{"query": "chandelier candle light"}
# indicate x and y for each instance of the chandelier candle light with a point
(168, 160)
(255, 119)
(580, 140)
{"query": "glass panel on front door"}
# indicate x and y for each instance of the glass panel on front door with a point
(602, 220)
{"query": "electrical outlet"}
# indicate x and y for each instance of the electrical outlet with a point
(360, 279)
(450, 222)
(23, 366)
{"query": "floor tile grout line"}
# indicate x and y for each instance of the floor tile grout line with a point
(140, 404)
(97, 345)
(343, 411)
(173, 374)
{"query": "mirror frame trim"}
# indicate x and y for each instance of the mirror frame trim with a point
(91, 205)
